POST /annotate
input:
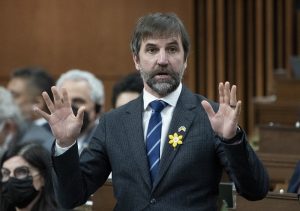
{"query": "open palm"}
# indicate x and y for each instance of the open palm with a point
(64, 124)
(225, 121)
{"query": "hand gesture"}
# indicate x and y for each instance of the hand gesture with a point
(64, 124)
(225, 121)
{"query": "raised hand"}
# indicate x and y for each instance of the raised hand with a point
(64, 124)
(225, 121)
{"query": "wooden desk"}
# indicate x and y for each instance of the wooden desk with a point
(103, 199)
(285, 113)
(280, 168)
(281, 108)
(279, 139)
(273, 202)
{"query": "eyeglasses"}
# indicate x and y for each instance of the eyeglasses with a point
(21, 172)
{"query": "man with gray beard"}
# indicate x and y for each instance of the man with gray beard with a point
(166, 149)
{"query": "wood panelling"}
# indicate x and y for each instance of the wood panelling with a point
(269, 46)
(258, 39)
(92, 35)
(242, 41)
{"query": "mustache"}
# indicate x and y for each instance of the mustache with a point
(162, 71)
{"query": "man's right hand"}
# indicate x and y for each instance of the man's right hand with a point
(64, 124)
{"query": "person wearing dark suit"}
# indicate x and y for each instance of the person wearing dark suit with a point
(196, 139)
(294, 184)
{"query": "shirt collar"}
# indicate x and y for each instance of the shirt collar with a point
(40, 121)
(171, 98)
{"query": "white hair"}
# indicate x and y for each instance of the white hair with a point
(96, 85)
(9, 109)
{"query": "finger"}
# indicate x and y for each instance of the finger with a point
(238, 110)
(41, 112)
(65, 100)
(221, 92)
(227, 93)
(209, 110)
(56, 96)
(80, 113)
(233, 100)
(48, 102)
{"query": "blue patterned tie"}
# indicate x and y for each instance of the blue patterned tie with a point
(154, 136)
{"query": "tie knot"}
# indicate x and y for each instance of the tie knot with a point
(158, 105)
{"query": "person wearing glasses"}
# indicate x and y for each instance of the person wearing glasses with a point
(26, 182)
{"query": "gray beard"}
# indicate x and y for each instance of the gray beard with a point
(162, 87)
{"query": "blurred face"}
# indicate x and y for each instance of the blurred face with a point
(79, 94)
(162, 64)
(16, 164)
(21, 94)
(126, 97)
(8, 129)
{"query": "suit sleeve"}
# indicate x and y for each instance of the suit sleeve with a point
(244, 168)
(75, 178)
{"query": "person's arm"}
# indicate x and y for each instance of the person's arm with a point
(75, 178)
(236, 155)
(243, 167)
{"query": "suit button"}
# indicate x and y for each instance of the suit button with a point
(153, 201)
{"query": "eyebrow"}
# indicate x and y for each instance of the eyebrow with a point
(175, 42)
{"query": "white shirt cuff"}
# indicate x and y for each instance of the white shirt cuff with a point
(61, 150)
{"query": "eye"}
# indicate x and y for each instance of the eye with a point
(5, 172)
(172, 49)
(151, 50)
(21, 172)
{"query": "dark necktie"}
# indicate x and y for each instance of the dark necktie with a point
(154, 136)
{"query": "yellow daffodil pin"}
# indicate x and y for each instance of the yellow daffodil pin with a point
(175, 140)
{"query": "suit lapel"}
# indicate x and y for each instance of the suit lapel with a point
(132, 121)
(183, 116)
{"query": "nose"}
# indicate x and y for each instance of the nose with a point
(162, 58)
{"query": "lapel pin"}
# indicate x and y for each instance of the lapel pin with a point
(175, 140)
(181, 128)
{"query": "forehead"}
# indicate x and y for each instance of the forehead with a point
(15, 162)
(17, 85)
(77, 88)
(162, 41)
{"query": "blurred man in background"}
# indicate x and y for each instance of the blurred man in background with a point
(86, 90)
(26, 85)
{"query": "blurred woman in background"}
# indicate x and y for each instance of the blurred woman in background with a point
(26, 182)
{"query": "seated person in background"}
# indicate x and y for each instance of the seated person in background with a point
(294, 185)
(13, 127)
(86, 90)
(26, 182)
(26, 85)
(127, 89)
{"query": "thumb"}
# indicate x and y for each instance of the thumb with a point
(80, 113)
(207, 107)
